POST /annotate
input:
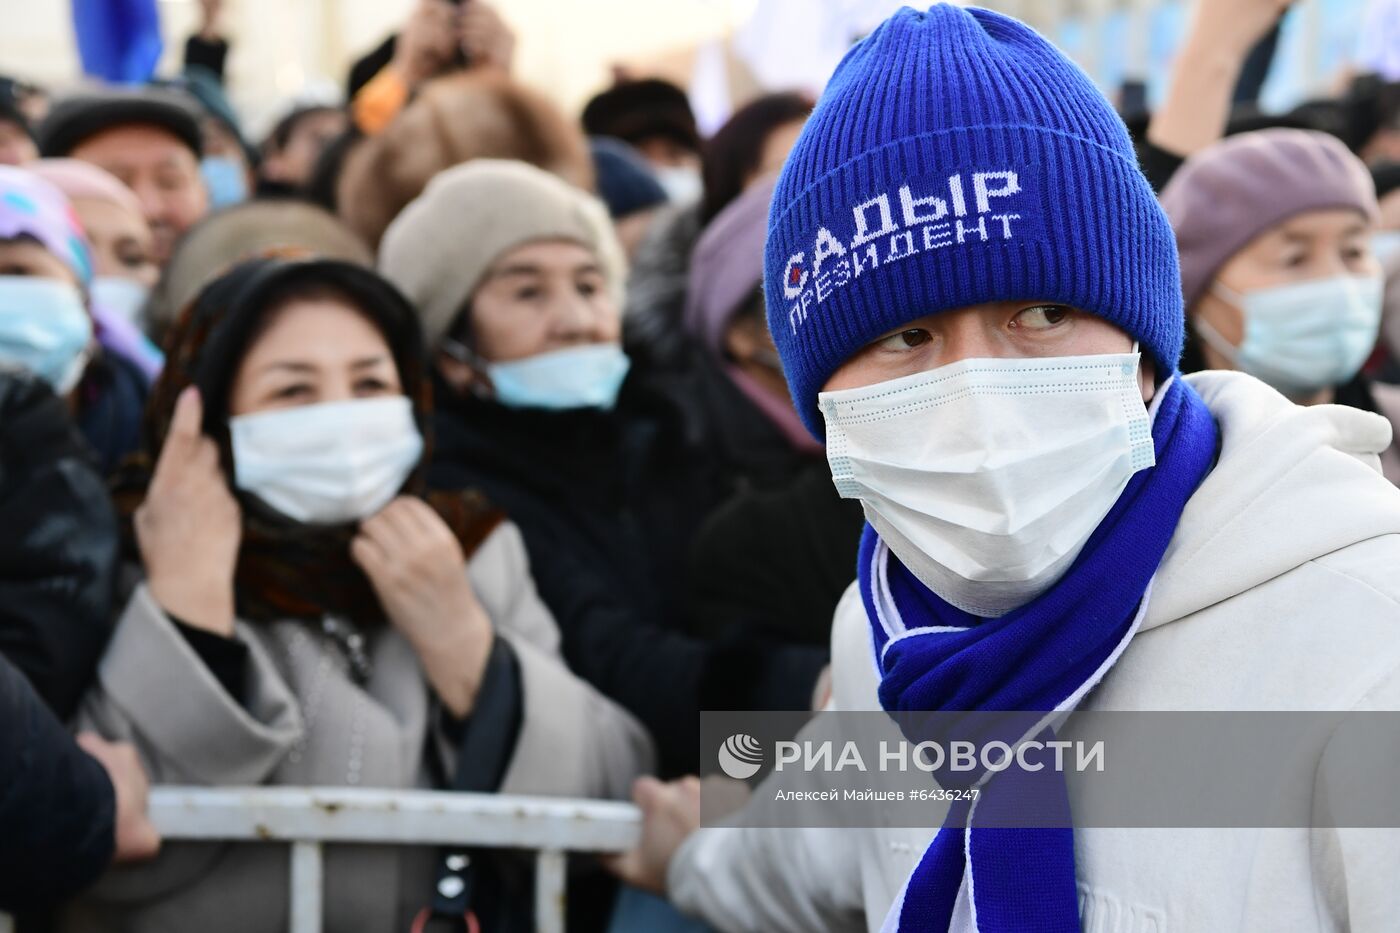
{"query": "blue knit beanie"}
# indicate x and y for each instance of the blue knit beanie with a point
(958, 158)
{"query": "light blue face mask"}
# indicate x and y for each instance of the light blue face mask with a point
(44, 328)
(580, 377)
(1305, 337)
(1385, 245)
(225, 181)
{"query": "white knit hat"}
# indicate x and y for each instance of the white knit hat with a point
(439, 248)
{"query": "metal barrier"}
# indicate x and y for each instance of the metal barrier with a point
(309, 817)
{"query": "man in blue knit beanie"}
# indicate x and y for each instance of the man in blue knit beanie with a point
(976, 299)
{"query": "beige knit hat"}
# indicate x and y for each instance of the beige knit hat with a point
(439, 248)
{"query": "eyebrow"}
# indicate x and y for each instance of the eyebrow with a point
(517, 272)
(364, 362)
(290, 366)
(522, 271)
(1302, 236)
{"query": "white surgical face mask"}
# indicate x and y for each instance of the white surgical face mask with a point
(986, 476)
(682, 185)
(126, 297)
(330, 463)
(1305, 337)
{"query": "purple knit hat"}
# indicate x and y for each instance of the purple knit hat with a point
(1228, 194)
(31, 206)
(727, 265)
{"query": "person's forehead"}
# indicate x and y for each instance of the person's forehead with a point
(107, 215)
(545, 255)
(317, 328)
(29, 251)
(219, 139)
(1323, 225)
(133, 143)
(319, 121)
(23, 244)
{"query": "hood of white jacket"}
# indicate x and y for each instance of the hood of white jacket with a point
(1291, 484)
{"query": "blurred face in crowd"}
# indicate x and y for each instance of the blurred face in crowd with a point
(749, 346)
(49, 338)
(34, 104)
(1384, 146)
(1390, 211)
(544, 296)
(632, 230)
(313, 350)
(775, 150)
(664, 152)
(161, 171)
(16, 148)
(1309, 246)
(26, 257)
(997, 330)
(677, 167)
(293, 163)
(122, 245)
(221, 143)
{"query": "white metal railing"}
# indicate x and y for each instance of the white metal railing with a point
(309, 817)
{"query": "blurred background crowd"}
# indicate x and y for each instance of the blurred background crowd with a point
(387, 396)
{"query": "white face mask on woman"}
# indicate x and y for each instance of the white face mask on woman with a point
(122, 296)
(1303, 337)
(986, 477)
(330, 463)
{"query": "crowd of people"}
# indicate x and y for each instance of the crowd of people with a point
(447, 439)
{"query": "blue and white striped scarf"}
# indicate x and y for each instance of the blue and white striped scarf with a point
(1043, 657)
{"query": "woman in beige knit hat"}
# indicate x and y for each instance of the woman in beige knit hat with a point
(517, 277)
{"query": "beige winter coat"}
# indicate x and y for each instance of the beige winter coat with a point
(307, 723)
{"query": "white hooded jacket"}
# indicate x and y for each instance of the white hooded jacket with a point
(1280, 591)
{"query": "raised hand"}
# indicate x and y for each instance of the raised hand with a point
(190, 526)
(1207, 66)
(426, 42)
(417, 569)
(485, 39)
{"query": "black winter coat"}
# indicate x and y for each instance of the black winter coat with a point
(111, 400)
(57, 806)
(774, 559)
(58, 547)
(777, 561)
(744, 448)
(608, 503)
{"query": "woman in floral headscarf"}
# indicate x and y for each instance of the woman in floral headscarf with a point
(46, 271)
